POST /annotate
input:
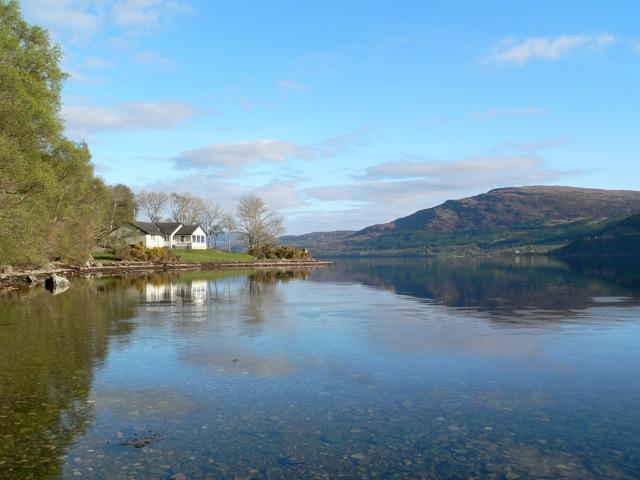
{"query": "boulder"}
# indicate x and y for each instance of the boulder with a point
(34, 280)
(6, 269)
(56, 284)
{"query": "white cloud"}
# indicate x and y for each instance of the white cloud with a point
(79, 20)
(150, 58)
(97, 62)
(239, 154)
(506, 112)
(393, 189)
(145, 13)
(291, 86)
(76, 19)
(84, 119)
(508, 51)
(635, 45)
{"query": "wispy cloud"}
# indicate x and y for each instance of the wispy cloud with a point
(146, 13)
(291, 86)
(388, 190)
(510, 51)
(87, 119)
(150, 58)
(506, 112)
(635, 45)
(241, 154)
(80, 20)
(97, 62)
(75, 19)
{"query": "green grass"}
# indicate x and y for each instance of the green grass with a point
(103, 256)
(190, 256)
(214, 256)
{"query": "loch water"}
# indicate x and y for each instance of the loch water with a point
(371, 368)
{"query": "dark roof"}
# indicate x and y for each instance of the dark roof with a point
(162, 228)
(187, 229)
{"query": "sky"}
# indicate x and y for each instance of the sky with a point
(342, 114)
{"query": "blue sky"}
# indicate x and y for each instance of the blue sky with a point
(341, 114)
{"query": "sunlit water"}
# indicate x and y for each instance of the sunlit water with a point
(367, 369)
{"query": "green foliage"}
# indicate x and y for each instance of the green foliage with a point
(52, 205)
(140, 254)
(273, 252)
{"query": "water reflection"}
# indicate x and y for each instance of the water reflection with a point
(49, 349)
(385, 369)
(511, 289)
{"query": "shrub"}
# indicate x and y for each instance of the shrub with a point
(141, 254)
(273, 252)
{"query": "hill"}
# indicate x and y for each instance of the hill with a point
(622, 238)
(531, 219)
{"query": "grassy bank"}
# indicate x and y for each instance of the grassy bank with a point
(209, 256)
(190, 256)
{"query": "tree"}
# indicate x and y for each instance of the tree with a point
(209, 220)
(187, 209)
(215, 233)
(51, 204)
(152, 204)
(122, 204)
(258, 225)
(229, 225)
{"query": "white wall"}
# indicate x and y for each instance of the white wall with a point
(198, 245)
(152, 241)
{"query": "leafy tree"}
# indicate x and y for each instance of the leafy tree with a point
(51, 203)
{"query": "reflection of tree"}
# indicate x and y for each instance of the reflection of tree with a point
(262, 288)
(495, 285)
(48, 349)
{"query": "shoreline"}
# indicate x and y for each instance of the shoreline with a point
(25, 277)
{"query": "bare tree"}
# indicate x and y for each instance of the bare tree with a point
(209, 220)
(229, 226)
(187, 209)
(258, 225)
(152, 204)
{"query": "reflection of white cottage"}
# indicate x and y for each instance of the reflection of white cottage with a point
(194, 292)
(163, 234)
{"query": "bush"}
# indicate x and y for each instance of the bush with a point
(141, 254)
(273, 252)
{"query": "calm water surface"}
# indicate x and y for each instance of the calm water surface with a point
(367, 369)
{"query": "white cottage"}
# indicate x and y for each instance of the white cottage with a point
(163, 234)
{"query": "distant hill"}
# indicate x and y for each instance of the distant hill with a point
(621, 238)
(526, 219)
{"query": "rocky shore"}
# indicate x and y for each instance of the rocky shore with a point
(13, 278)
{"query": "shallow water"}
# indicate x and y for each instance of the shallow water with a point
(499, 369)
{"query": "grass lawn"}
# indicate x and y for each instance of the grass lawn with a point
(103, 256)
(203, 256)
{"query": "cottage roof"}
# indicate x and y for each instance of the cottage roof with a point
(187, 229)
(161, 228)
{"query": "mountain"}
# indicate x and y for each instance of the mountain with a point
(531, 219)
(621, 238)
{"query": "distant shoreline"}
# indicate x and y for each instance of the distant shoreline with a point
(24, 277)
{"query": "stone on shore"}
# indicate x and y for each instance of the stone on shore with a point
(56, 284)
